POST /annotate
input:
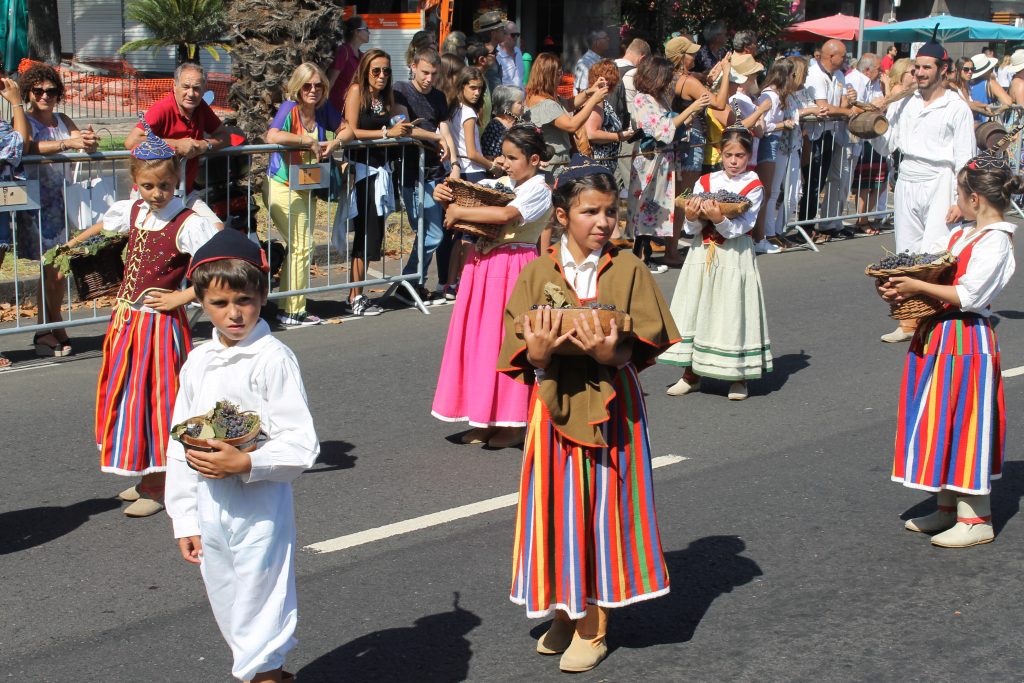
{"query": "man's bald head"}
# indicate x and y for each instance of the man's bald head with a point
(833, 52)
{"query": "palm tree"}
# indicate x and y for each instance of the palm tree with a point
(185, 25)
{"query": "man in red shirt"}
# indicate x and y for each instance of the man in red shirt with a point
(188, 125)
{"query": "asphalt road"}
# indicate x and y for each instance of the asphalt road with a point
(782, 530)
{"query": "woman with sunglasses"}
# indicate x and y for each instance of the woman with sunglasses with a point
(14, 139)
(38, 231)
(372, 114)
(309, 122)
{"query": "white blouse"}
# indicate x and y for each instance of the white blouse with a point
(775, 116)
(459, 117)
(582, 276)
(194, 233)
(259, 374)
(990, 268)
(533, 196)
(730, 227)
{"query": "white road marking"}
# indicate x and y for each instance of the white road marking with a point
(1013, 372)
(443, 517)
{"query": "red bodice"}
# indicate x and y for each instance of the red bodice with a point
(153, 260)
(709, 234)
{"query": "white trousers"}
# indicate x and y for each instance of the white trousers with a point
(920, 208)
(248, 534)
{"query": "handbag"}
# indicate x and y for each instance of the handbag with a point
(86, 201)
(332, 193)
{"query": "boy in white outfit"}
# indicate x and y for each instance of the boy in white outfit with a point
(232, 511)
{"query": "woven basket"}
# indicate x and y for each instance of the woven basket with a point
(622, 320)
(471, 194)
(729, 209)
(920, 306)
(99, 274)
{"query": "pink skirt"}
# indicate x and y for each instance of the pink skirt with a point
(469, 387)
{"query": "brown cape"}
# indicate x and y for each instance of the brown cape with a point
(577, 389)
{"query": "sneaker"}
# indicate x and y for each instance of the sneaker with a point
(402, 294)
(766, 247)
(657, 268)
(362, 305)
(451, 292)
(302, 318)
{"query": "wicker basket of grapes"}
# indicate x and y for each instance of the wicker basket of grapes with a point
(937, 268)
(225, 422)
(730, 203)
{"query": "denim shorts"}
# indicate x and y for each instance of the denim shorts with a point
(768, 148)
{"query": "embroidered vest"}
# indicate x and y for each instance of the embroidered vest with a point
(153, 260)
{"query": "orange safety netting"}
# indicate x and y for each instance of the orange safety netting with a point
(122, 92)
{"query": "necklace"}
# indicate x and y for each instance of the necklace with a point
(305, 125)
(376, 105)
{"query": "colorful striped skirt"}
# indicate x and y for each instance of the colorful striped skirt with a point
(137, 387)
(586, 528)
(951, 424)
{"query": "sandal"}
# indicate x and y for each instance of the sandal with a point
(866, 229)
(820, 237)
(5, 362)
(47, 350)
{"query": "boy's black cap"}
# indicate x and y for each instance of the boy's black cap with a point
(228, 244)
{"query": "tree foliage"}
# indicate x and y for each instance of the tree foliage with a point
(186, 25)
(655, 20)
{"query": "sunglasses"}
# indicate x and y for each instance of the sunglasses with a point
(49, 92)
(378, 70)
(515, 35)
(309, 87)
(967, 68)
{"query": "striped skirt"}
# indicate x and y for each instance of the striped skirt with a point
(137, 387)
(586, 528)
(951, 423)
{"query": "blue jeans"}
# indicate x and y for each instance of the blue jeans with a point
(433, 220)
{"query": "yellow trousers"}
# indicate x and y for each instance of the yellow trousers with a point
(291, 211)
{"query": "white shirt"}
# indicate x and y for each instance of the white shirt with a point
(512, 68)
(533, 196)
(744, 107)
(581, 72)
(582, 276)
(776, 115)
(460, 116)
(1004, 76)
(193, 233)
(990, 268)
(259, 374)
(934, 139)
(825, 86)
(865, 88)
(730, 227)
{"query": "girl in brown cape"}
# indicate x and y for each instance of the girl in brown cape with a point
(586, 530)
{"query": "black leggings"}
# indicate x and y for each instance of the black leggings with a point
(642, 248)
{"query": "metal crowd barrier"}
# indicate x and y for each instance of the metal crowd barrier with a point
(229, 183)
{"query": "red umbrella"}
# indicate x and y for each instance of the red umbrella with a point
(839, 26)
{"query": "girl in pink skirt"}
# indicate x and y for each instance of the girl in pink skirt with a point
(469, 388)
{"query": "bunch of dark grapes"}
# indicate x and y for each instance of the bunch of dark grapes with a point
(601, 307)
(722, 196)
(194, 429)
(905, 259)
(235, 424)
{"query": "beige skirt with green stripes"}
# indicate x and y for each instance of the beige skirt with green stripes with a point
(718, 307)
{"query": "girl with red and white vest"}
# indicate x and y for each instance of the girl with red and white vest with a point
(951, 424)
(148, 336)
(718, 304)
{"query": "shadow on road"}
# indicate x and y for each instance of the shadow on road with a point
(701, 572)
(1006, 495)
(436, 649)
(24, 529)
(334, 455)
(782, 368)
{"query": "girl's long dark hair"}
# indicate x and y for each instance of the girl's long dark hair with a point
(996, 185)
(528, 138)
(565, 194)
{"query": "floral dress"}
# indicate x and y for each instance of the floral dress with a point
(652, 179)
(11, 148)
(40, 230)
(607, 153)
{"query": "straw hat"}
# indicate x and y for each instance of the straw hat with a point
(1016, 61)
(746, 64)
(738, 79)
(489, 21)
(679, 46)
(982, 65)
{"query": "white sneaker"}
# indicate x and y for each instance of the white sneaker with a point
(897, 335)
(658, 268)
(766, 247)
(364, 306)
(302, 318)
